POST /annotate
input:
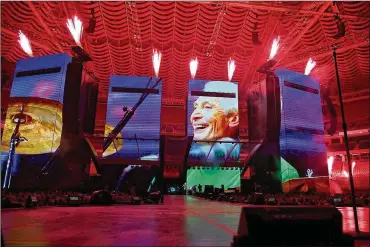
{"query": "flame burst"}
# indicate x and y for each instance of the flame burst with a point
(274, 48)
(330, 164)
(193, 67)
(353, 167)
(309, 66)
(156, 58)
(76, 29)
(25, 43)
(231, 68)
(345, 173)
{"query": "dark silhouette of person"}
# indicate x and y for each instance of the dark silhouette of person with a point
(200, 188)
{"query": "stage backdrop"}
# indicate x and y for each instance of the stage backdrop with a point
(38, 86)
(145, 123)
(213, 115)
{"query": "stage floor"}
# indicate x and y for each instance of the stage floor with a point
(180, 221)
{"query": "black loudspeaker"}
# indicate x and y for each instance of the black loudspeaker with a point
(155, 197)
(258, 199)
(74, 201)
(247, 186)
(290, 226)
(101, 197)
(136, 200)
(31, 201)
(2, 239)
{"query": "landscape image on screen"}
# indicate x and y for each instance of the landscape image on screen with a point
(213, 117)
(38, 87)
(132, 142)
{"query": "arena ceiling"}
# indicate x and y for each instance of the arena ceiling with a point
(126, 33)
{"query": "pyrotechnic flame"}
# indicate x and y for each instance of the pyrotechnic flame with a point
(76, 29)
(345, 173)
(156, 58)
(193, 67)
(353, 167)
(274, 48)
(330, 164)
(309, 66)
(231, 68)
(25, 44)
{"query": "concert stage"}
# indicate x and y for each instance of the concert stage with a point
(181, 221)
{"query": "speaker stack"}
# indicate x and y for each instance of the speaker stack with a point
(101, 197)
(74, 201)
(291, 226)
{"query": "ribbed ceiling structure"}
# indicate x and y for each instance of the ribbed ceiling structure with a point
(126, 33)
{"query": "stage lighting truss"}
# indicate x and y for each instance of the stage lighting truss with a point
(255, 35)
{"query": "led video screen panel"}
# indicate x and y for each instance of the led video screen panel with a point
(38, 86)
(302, 140)
(125, 91)
(230, 177)
(213, 115)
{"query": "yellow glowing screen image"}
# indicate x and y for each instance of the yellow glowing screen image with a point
(42, 125)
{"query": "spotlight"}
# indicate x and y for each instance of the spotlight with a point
(340, 26)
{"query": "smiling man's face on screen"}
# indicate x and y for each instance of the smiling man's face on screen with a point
(214, 118)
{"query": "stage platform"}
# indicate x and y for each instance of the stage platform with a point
(180, 221)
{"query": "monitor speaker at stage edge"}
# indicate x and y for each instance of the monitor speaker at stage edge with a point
(290, 226)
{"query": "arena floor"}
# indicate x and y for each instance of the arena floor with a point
(180, 221)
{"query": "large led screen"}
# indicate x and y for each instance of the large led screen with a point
(38, 87)
(213, 120)
(302, 140)
(139, 139)
(228, 177)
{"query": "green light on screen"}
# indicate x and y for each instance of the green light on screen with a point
(214, 176)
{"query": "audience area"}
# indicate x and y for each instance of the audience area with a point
(362, 200)
(63, 198)
(67, 198)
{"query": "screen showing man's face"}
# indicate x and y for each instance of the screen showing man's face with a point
(213, 117)
(209, 120)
